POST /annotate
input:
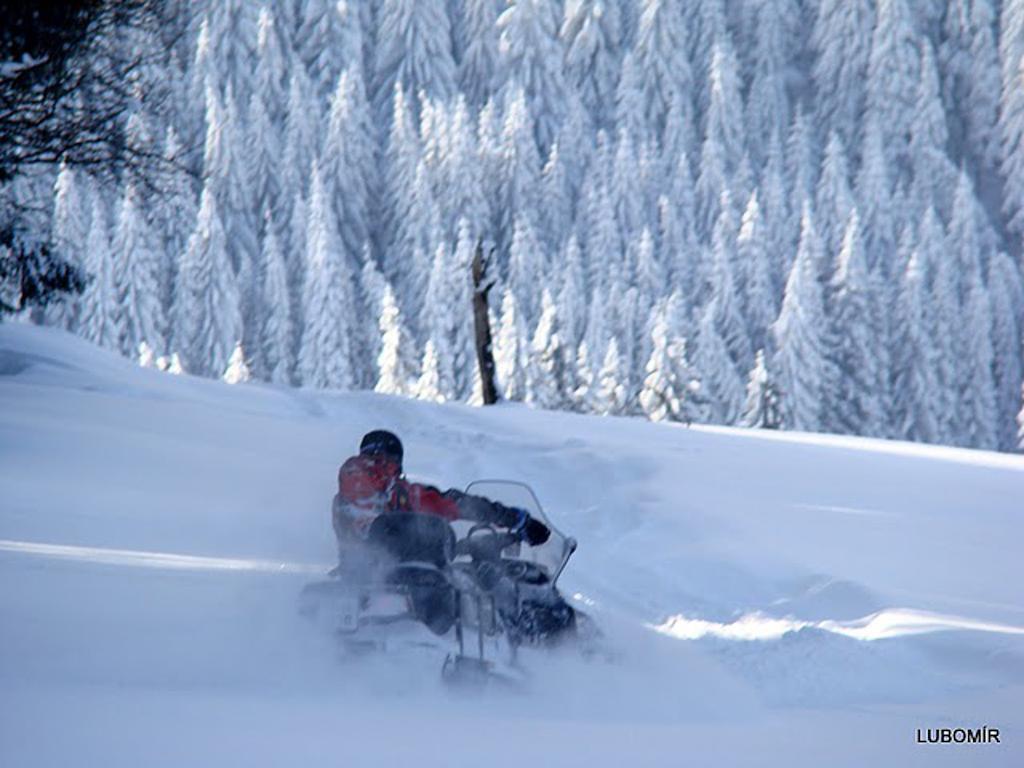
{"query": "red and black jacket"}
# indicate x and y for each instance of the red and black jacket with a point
(372, 485)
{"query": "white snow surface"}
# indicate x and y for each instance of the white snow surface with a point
(766, 599)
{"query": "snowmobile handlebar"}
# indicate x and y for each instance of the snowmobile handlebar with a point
(487, 546)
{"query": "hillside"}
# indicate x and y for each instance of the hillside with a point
(769, 598)
(663, 189)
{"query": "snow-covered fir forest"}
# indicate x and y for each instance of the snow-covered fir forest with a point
(802, 213)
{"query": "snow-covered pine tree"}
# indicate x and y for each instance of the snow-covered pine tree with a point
(146, 358)
(574, 143)
(70, 232)
(277, 327)
(967, 238)
(982, 109)
(401, 165)
(461, 187)
(1020, 422)
(591, 36)
(721, 385)
(946, 319)
(366, 340)
(416, 240)
(601, 238)
(510, 350)
(546, 371)
(677, 237)
(520, 168)
(99, 317)
(768, 109)
(971, 77)
(834, 197)
(295, 259)
(458, 300)
(532, 54)
(208, 321)
(608, 394)
(774, 200)
(273, 50)
(842, 40)
(174, 365)
(725, 111)
(233, 31)
(711, 183)
(414, 51)
(954, 54)
(874, 198)
(669, 390)
(978, 395)
(200, 76)
(664, 67)
(727, 316)
(429, 385)
(802, 164)
(525, 268)
(659, 395)
(758, 298)
(263, 154)
(572, 295)
(1011, 41)
(627, 197)
(763, 407)
(1004, 289)
(893, 70)
(301, 129)
(1012, 124)
(557, 212)
(707, 23)
(173, 215)
(585, 379)
(650, 279)
(396, 363)
(630, 328)
(855, 408)
(327, 40)
(441, 324)
(227, 176)
(804, 372)
(325, 358)
(478, 73)
(916, 388)
(629, 105)
(237, 371)
(348, 160)
(135, 268)
(934, 174)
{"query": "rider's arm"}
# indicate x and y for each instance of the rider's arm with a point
(494, 512)
(426, 500)
(482, 510)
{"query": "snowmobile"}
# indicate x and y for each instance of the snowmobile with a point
(470, 593)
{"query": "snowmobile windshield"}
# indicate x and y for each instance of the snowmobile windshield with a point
(552, 555)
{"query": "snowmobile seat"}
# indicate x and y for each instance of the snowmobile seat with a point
(421, 548)
(431, 594)
(410, 537)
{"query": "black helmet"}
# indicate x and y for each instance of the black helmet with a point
(380, 442)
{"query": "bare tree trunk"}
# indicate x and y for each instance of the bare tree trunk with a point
(482, 326)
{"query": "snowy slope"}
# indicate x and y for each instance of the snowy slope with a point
(772, 599)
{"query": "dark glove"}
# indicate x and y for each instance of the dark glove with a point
(531, 530)
(536, 532)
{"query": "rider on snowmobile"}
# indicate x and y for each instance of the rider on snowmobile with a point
(372, 483)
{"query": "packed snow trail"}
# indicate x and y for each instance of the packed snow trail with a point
(790, 599)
